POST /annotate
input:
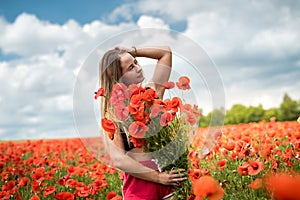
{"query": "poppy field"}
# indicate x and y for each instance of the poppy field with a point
(245, 161)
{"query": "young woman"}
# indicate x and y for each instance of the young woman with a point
(141, 180)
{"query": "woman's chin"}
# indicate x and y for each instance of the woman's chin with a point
(141, 79)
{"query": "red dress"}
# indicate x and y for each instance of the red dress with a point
(139, 189)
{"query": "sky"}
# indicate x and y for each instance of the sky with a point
(254, 47)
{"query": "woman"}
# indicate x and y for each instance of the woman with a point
(141, 180)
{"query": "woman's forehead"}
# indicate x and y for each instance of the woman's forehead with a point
(126, 59)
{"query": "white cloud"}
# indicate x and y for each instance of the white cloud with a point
(151, 22)
(27, 33)
(121, 13)
(278, 42)
(213, 31)
(171, 10)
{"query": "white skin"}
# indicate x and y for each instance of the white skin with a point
(132, 73)
(131, 70)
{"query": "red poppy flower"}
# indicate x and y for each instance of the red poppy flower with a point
(23, 181)
(119, 93)
(165, 118)
(195, 110)
(274, 164)
(64, 196)
(73, 183)
(156, 109)
(136, 107)
(111, 195)
(183, 83)
(99, 93)
(35, 197)
(47, 191)
(135, 100)
(169, 85)
(243, 170)
(71, 170)
(168, 104)
(229, 145)
(121, 111)
(133, 110)
(82, 191)
(136, 90)
(35, 186)
(139, 114)
(38, 174)
(195, 163)
(137, 129)
(256, 184)
(80, 171)
(137, 142)
(221, 164)
(255, 167)
(175, 103)
(195, 174)
(193, 154)
(191, 197)
(206, 186)
(282, 186)
(109, 126)
(149, 94)
(62, 181)
(99, 184)
(4, 195)
(158, 102)
(10, 186)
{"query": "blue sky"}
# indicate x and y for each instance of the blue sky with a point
(56, 12)
(60, 12)
(254, 45)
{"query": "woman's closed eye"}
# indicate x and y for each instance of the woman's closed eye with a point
(130, 67)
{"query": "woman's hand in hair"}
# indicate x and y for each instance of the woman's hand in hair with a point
(132, 51)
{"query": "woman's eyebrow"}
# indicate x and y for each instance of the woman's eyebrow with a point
(131, 63)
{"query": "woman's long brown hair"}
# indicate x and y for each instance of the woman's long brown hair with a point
(110, 73)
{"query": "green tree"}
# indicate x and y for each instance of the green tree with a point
(271, 112)
(237, 114)
(214, 118)
(289, 109)
(254, 114)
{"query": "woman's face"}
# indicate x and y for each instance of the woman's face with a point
(131, 70)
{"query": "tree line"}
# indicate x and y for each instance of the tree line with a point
(288, 110)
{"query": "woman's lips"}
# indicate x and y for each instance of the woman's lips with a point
(140, 75)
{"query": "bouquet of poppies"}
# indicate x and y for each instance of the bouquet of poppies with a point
(159, 126)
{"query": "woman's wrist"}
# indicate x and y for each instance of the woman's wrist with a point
(157, 177)
(133, 51)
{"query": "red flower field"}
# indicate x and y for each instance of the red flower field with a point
(246, 161)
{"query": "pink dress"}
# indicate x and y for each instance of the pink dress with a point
(139, 189)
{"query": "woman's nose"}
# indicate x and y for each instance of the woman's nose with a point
(138, 68)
